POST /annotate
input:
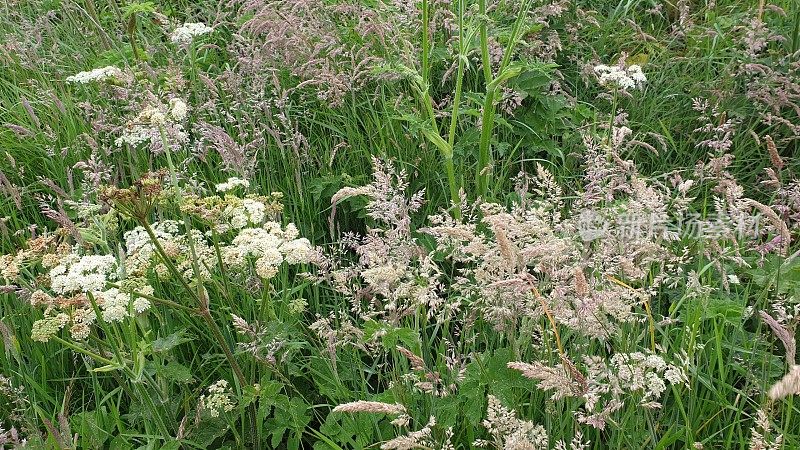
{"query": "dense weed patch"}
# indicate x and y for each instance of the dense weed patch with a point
(515, 224)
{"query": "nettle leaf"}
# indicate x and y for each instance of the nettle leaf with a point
(167, 343)
(120, 442)
(92, 428)
(783, 275)
(138, 8)
(355, 431)
(491, 372)
(171, 445)
(208, 430)
(290, 416)
(726, 308)
(176, 372)
(391, 337)
(532, 78)
(323, 187)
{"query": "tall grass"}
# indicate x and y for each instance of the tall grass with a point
(442, 159)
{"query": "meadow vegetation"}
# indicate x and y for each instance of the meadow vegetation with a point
(399, 224)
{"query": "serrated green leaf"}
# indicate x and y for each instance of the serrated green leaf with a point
(167, 343)
(176, 372)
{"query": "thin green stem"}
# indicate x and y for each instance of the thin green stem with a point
(485, 144)
(88, 353)
(487, 116)
(425, 44)
(796, 32)
(159, 300)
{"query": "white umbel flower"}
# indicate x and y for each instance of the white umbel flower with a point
(218, 399)
(630, 77)
(115, 305)
(101, 74)
(297, 251)
(82, 273)
(231, 184)
(185, 34)
(141, 305)
(178, 109)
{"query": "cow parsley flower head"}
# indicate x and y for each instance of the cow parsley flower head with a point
(178, 109)
(218, 399)
(297, 251)
(101, 74)
(185, 34)
(623, 78)
(46, 328)
(154, 118)
(231, 184)
(87, 273)
(141, 305)
(82, 318)
(248, 212)
(114, 305)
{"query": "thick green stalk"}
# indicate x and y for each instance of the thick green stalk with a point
(451, 137)
(483, 169)
(427, 104)
(86, 352)
(484, 147)
(796, 32)
(425, 44)
(487, 117)
(462, 57)
(484, 32)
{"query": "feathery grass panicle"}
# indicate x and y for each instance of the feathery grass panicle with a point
(370, 407)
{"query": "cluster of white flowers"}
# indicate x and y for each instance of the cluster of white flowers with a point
(9, 269)
(147, 125)
(77, 281)
(232, 183)
(134, 135)
(297, 251)
(78, 285)
(185, 34)
(218, 399)
(101, 74)
(271, 246)
(88, 273)
(178, 109)
(82, 318)
(115, 304)
(623, 78)
(44, 329)
(247, 213)
(138, 238)
(141, 252)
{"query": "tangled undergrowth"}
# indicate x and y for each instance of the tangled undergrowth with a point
(443, 224)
